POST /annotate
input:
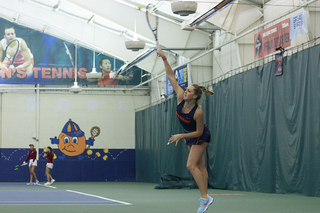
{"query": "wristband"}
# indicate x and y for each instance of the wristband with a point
(164, 58)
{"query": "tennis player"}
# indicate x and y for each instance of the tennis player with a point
(24, 57)
(107, 77)
(32, 164)
(196, 134)
(49, 165)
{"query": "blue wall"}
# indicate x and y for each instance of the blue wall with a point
(119, 166)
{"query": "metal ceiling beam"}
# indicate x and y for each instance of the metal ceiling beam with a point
(252, 3)
(230, 41)
(86, 44)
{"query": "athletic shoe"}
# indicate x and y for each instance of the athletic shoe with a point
(53, 180)
(29, 183)
(36, 183)
(204, 204)
(47, 184)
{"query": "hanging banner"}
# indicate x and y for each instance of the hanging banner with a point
(271, 38)
(298, 25)
(32, 57)
(278, 64)
(181, 75)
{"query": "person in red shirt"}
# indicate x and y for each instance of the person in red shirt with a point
(49, 165)
(32, 164)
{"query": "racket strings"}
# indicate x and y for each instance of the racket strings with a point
(12, 49)
(152, 21)
(152, 17)
(95, 132)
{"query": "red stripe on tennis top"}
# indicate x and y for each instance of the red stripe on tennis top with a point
(181, 118)
(197, 140)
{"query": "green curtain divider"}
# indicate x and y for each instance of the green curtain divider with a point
(264, 132)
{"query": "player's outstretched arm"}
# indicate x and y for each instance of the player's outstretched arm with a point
(171, 77)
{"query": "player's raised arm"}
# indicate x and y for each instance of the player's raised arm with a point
(170, 74)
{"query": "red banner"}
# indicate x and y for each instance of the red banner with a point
(269, 39)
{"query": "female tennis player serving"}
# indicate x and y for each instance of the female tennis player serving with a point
(196, 134)
(32, 164)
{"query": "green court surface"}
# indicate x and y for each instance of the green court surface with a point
(144, 198)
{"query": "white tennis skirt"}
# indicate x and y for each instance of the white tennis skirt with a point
(50, 165)
(33, 163)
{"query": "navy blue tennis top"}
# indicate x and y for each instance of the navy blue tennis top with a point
(190, 125)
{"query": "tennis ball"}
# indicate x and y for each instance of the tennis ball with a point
(105, 150)
(105, 157)
(89, 152)
(45, 149)
(139, 7)
(98, 154)
(55, 156)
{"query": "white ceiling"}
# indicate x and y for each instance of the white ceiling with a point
(113, 23)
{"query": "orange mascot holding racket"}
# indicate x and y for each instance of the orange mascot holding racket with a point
(72, 141)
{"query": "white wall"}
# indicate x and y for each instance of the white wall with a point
(18, 119)
(114, 114)
(226, 59)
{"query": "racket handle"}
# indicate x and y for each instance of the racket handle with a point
(88, 148)
(158, 48)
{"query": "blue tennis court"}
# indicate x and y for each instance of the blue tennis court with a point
(116, 197)
(19, 186)
(43, 195)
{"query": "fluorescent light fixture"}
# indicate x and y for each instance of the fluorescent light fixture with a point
(211, 12)
(94, 74)
(139, 58)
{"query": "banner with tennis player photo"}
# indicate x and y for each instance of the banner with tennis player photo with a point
(32, 57)
(271, 38)
(181, 75)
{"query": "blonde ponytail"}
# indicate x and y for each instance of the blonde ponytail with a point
(204, 89)
(198, 91)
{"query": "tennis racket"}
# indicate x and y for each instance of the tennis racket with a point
(153, 21)
(68, 53)
(95, 132)
(18, 166)
(70, 58)
(11, 51)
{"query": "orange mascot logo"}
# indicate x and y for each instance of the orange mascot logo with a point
(72, 141)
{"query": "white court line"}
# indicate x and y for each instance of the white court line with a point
(48, 201)
(99, 197)
(48, 186)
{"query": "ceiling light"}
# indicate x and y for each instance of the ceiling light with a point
(75, 88)
(135, 45)
(94, 74)
(184, 8)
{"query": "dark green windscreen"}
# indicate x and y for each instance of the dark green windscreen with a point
(264, 132)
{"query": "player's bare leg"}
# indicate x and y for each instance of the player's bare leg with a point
(195, 164)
